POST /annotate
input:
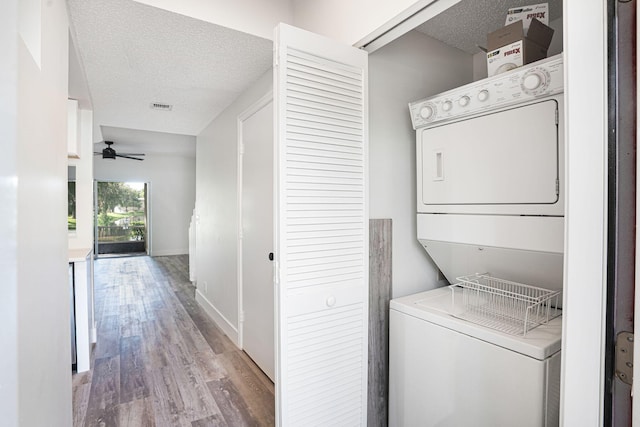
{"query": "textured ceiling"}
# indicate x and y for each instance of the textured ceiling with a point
(466, 24)
(134, 55)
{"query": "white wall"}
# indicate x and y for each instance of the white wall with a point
(346, 21)
(82, 237)
(8, 212)
(35, 361)
(354, 20)
(410, 68)
(78, 86)
(216, 210)
(172, 195)
(584, 307)
(257, 17)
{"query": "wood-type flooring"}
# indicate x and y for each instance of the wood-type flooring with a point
(159, 359)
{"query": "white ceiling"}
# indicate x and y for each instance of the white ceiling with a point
(134, 55)
(467, 23)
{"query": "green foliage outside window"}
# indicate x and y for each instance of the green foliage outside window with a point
(71, 205)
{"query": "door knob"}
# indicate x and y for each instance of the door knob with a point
(270, 256)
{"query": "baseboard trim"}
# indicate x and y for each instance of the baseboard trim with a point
(215, 315)
(170, 252)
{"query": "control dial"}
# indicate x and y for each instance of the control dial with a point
(426, 111)
(464, 101)
(535, 81)
(483, 95)
(447, 106)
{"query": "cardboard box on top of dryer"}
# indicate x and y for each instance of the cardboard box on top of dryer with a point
(512, 46)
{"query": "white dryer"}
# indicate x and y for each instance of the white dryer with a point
(490, 176)
(490, 199)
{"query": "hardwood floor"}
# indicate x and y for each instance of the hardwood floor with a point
(159, 360)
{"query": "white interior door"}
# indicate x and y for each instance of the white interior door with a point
(322, 253)
(257, 237)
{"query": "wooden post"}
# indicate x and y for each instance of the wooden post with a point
(380, 233)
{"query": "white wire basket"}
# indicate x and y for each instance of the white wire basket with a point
(506, 306)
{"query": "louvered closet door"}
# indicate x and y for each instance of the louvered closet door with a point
(321, 230)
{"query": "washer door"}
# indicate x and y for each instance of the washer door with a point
(504, 158)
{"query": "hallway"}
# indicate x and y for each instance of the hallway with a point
(159, 359)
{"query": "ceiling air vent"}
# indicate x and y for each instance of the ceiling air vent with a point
(159, 106)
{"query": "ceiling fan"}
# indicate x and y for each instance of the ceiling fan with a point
(110, 153)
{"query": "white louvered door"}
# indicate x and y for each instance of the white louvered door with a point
(321, 230)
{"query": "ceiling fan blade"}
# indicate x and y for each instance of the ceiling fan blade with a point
(131, 154)
(128, 157)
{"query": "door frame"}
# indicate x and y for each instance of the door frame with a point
(147, 231)
(583, 329)
(242, 117)
(95, 218)
(635, 403)
(147, 207)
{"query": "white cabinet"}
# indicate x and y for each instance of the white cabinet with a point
(84, 328)
(73, 129)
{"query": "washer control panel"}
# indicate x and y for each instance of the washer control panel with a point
(542, 78)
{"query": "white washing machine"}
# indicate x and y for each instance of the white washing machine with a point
(490, 199)
(448, 372)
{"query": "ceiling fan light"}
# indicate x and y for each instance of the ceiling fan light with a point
(108, 153)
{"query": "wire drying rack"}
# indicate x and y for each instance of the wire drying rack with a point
(506, 306)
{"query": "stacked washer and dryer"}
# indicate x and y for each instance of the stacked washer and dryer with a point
(490, 184)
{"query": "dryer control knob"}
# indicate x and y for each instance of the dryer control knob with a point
(532, 81)
(483, 95)
(426, 112)
(535, 81)
(464, 101)
(447, 105)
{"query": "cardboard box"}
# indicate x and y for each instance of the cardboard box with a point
(527, 13)
(509, 48)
